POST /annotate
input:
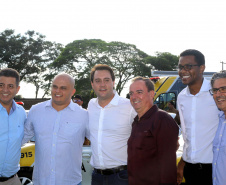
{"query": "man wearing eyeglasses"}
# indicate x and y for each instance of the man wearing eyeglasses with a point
(218, 83)
(199, 120)
(77, 99)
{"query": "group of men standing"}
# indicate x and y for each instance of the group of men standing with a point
(132, 142)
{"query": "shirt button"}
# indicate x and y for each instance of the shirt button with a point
(215, 163)
(218, 149)
(53, 144)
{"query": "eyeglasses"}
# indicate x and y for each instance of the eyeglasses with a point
(77, 101)
(215, 90)
(186, 67)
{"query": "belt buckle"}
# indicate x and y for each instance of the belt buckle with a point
(108, 172)
(101, 172)
(200, 166)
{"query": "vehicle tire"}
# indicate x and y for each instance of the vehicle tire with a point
(25, 177)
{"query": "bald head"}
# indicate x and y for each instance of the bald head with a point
(66, 77)
(62, 91)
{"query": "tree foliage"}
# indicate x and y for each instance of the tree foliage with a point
(38, 60)
(29, 54)
(163, 61)
(80, 56)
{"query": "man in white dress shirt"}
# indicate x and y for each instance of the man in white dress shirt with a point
(110, 119)
(59, 127)
(199, 120)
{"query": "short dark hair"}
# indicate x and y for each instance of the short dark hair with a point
(101, 67)
(77, 96)
(149, 84)
(9, 72)
(218, 75)
(199, 57)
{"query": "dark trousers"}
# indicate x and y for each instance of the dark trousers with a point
(120, 178)
(200, 174)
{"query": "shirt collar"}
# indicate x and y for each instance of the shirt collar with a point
(113, 102)
(205, 87)
(152, 110)
(70, 106)
(115, 99)
(13, 108)
(221, 114)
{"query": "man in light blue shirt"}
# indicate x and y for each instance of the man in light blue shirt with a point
(12, 118)
(59, 127)
(218, 83)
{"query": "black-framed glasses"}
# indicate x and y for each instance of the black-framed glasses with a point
(186, 67)
(215, 90)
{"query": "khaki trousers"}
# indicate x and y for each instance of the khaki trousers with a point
(13, 181)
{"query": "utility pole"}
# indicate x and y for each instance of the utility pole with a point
(222, 65)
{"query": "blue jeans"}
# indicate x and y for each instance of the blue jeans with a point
(120, 178)
(80, 183)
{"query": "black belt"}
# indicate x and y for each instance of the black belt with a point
(199, 165)
(3, 179)
(110, 171)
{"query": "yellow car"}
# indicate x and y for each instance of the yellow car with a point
(27, 161)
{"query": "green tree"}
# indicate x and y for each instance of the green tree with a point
(43, 78)
(29, 54)
(78, 57)
(163, 61)
(127, 62)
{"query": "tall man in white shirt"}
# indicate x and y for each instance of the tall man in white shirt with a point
(110, 119)
(199, 120)
(59, 127)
